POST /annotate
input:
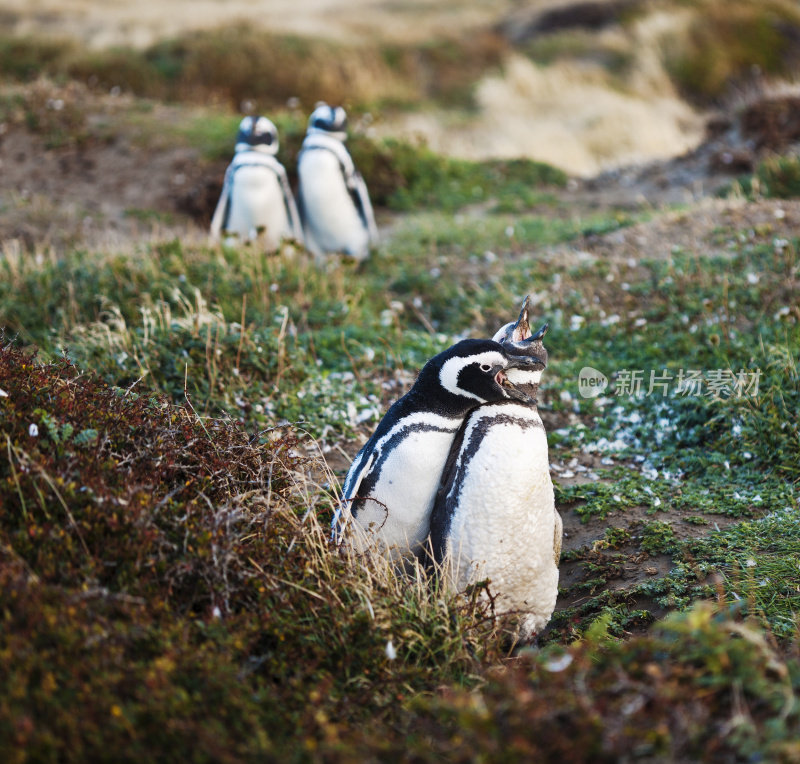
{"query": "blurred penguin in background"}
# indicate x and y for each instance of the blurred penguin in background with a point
(334, 201)
(256, 201)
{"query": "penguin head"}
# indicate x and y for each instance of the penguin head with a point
(257, 134)
(472, 372)
(518, 341)
(331, 120)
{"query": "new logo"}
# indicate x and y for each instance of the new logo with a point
(591, 382)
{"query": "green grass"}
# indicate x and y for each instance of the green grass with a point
(776, 177)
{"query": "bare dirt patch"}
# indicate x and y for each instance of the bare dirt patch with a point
(711, 227)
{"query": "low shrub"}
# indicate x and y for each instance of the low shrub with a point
(730, 43)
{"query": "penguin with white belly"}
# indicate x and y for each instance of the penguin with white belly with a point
(256, 201)
(334, 202)
(391, 485)
(494, 516)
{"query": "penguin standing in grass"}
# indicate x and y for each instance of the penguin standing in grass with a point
(389, 491)
(256, 198)
(494, 516)
(334, 202)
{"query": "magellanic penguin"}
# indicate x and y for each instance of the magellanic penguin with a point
(256, 199)
(390, 487)
(334, 202)
(494, 516)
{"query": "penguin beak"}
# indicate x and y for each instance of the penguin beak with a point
(511, 390)
(522, 329)
(515, 332)
(522, 353)
(527, 362)
(517, 340)
(539, 334)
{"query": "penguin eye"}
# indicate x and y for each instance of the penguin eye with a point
(486, 367)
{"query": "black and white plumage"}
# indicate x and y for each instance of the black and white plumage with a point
(494, 516)
(389, 491)
(334, 202)
(256, 199)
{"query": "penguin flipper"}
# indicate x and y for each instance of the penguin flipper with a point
(360, 195)
(359, 469)
(219, 219)
(292, 212)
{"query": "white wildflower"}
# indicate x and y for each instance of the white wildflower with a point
(33, 430)
(391, 653)
(559, 664)
(576, 322)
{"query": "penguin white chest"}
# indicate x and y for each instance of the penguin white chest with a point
(330, 216)
(397, 512)
(257, 205)
(501, 512)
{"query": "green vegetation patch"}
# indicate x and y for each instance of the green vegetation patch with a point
(758, 564)
(777, 177)
(729, 41)
(404, 177)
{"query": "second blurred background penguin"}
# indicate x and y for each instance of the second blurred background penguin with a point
(334, 201)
